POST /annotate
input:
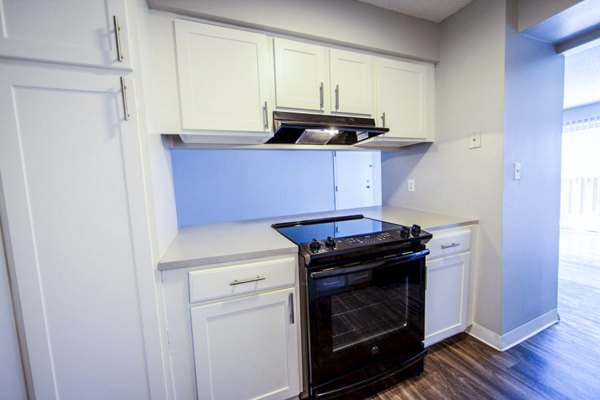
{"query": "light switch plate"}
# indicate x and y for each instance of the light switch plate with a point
(411, 185)
(475, 140)
(517, 171)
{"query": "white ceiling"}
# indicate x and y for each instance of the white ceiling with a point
(431, 10)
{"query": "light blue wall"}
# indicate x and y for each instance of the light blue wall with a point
(232, 185)
(531, 205)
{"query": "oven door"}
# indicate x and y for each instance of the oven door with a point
(366, 313)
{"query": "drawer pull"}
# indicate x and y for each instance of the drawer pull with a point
(449, 246)
(249, 280)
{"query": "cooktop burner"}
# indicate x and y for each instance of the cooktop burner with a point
(331, 235)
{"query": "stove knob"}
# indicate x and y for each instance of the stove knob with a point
(330, 242)
(415, 230)
(404, 232)
(314, 245)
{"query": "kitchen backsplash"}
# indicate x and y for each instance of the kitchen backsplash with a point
(231, 185)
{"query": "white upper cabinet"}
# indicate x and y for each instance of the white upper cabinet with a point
(91, 32)
(405, 99)
(351, 82)
(225, 80)
(301, 75)
(318, 79)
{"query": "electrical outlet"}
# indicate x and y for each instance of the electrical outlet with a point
(411, 185)
(475, 140)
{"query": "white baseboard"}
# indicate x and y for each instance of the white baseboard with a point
(515, 336)
(529, 329)
(485, 335)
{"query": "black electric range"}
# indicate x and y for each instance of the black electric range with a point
(362, 291)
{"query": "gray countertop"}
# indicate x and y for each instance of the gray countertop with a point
(202, 245)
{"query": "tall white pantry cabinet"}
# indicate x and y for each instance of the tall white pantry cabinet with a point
(73, 203)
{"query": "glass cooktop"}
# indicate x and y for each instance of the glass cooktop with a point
(353, 225)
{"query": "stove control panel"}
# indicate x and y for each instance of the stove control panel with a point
(404, 234)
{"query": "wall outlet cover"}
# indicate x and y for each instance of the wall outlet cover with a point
(475, 140)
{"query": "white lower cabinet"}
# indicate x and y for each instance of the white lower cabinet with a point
(234, 330)
(447, 295)
(247, 348)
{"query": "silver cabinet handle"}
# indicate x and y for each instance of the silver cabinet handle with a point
(120, 56)
(337, 97)
(321, 96)
(249, 280)
(124, 97)
(449, 246)
(265, 117)
(383, 120)
(292, 308)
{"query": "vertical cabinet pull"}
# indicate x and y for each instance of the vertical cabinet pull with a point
(383, 120)
(321, 96)
(337, 97)
(124, 97)
(265, 117)
(292, 308)
(120, 57)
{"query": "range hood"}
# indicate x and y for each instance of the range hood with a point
(316, 129)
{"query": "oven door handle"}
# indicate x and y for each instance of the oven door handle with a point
(363, 267)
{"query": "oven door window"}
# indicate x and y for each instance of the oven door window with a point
(363, 315)
(369, 312)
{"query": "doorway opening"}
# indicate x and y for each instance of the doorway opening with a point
(579, 266)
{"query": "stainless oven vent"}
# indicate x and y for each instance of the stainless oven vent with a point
(316, 129)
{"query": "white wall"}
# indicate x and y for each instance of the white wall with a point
(531, 206)
(12, 384)
(341, 22)
(155, 49)
(451, 178)
(509, 87)
(532, 12)
(582, 78)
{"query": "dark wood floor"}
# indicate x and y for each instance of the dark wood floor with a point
(561, 362)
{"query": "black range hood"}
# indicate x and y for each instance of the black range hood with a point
(315, 129)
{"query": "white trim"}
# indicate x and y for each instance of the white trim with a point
(485, 335)
(529, 329)
(515, 336)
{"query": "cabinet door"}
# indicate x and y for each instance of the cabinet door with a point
(247, 348)
(405, 99)
(76, 231)
(301, 75)
(351, 82)
(446, 297)
(224, 78)
(66, 31)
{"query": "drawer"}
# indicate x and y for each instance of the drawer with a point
(447, 243)
(237, 279)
